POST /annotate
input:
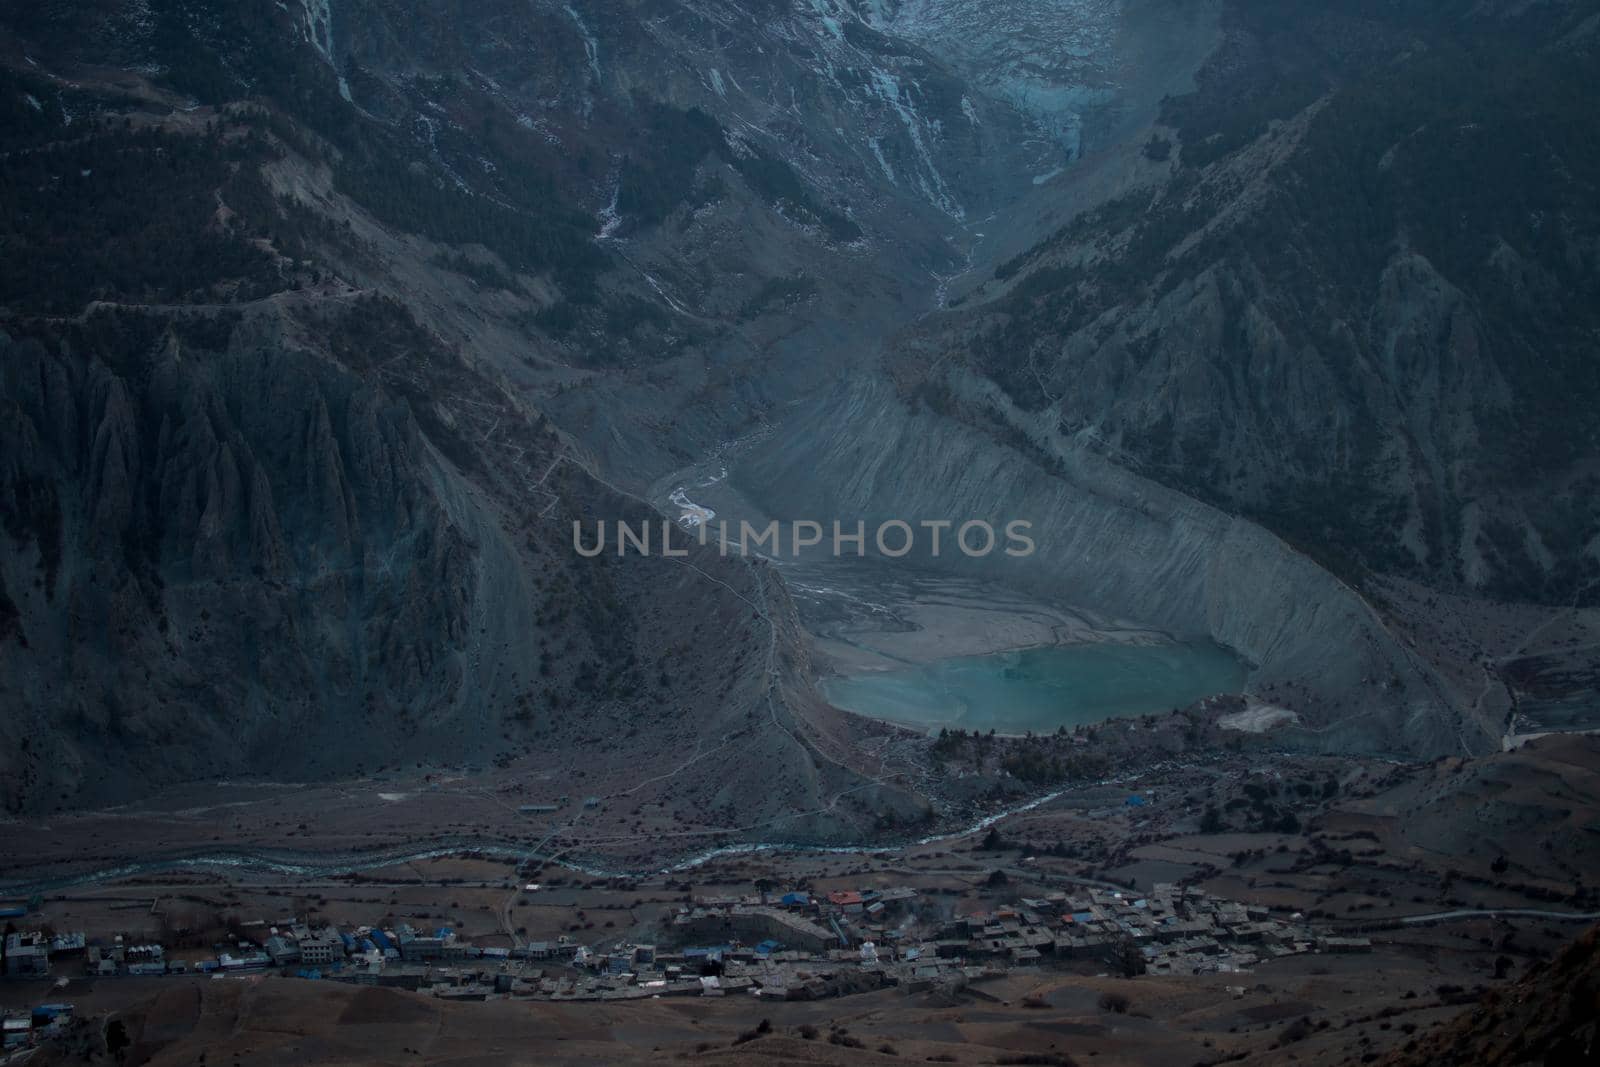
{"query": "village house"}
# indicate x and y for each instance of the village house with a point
(27, 956)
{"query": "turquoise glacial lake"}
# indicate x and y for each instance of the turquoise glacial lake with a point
(1041, 689)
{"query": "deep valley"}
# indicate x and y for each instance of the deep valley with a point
(328, 326)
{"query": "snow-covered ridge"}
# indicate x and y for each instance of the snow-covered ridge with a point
(883, 87)
(1048, 58)
(880, 70)
(767, 69)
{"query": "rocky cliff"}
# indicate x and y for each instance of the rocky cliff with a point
(287, 300)
(231, 552)
(1359, 309)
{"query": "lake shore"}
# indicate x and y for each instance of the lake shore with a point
(882, 621)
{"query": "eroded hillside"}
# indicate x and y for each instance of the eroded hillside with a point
(324, 319)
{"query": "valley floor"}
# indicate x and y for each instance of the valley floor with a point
(1416, 886)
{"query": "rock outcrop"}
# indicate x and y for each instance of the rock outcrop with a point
(251, 559)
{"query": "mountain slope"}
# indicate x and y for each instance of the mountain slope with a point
(324, 319)
(260, 517)
(296, 297)
(1361, 310)
(1547, 1017)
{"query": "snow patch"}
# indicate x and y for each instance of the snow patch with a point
(877, 150)
(430, 136)
(1257, 719)
(591, 46)
(663, 294)
(693, 515)
(540, 126)
(825, 12)
(887, 88)
(1049, 58)
(738, 145)
(317, 23)
(610, 220)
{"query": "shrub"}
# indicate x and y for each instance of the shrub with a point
(1115, 1002)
